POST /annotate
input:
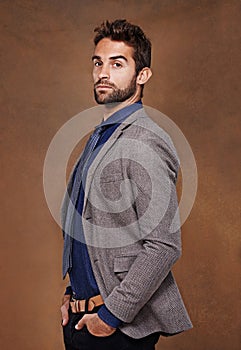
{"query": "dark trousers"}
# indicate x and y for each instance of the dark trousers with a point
(83, 340)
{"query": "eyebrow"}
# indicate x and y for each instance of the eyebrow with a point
(111, 58)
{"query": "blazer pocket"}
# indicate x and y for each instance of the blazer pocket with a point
(122, 265)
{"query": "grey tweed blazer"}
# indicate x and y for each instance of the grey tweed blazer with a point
(131, 226)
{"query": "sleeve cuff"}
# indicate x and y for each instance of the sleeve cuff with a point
(106, 316)
(68, 291)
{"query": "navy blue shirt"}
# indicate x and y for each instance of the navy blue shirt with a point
(82, 280)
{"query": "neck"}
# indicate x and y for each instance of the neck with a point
(111, 108)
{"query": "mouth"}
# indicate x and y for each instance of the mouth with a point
(102, 86)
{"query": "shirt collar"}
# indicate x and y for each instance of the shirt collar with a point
(122, 114)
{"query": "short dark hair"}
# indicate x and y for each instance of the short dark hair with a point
(132, 35)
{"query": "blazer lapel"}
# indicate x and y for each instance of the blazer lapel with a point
(110, 142)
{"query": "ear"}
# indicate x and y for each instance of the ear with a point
(144, 75)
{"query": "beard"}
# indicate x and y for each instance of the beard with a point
(116, 95)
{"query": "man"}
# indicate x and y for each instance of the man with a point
(119, 214)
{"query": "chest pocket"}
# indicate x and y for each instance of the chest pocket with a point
(112, 178)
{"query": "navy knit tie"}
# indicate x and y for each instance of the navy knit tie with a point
(68, 226)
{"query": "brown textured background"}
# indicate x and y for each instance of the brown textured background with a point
(45, 80)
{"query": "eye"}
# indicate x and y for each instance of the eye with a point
(117, 65)
(97, 63)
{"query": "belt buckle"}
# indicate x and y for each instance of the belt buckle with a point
(76, 303)
(80, 305)
(83, 305)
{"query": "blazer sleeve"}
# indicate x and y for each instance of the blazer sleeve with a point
(154, 179)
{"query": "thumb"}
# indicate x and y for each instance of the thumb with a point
(80, 324)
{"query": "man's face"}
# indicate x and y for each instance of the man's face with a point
(113, 72)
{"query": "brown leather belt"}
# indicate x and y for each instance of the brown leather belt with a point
(85, 304)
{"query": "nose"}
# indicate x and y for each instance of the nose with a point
(104, 72)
